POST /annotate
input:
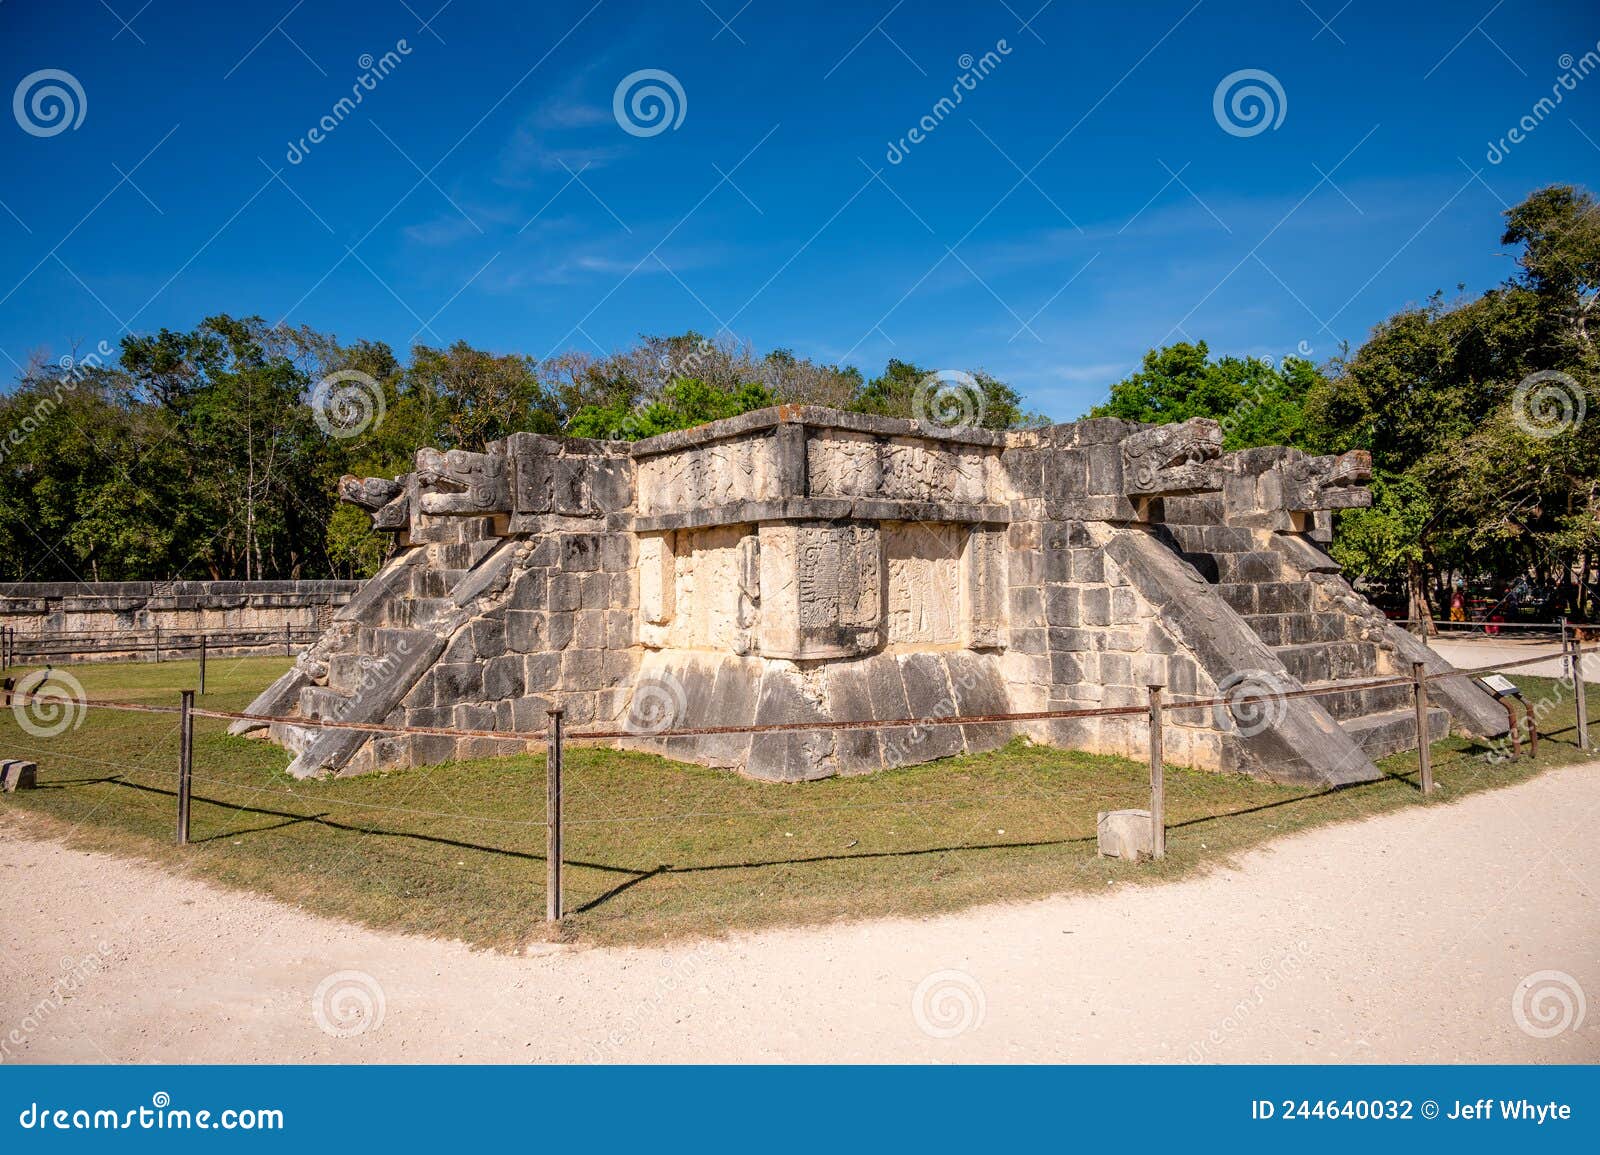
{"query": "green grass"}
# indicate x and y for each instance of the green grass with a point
(655, 849)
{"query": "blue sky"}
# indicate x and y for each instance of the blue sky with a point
(1081, 204)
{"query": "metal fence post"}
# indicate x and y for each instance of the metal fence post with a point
(287, 652)
(158, 643)
(202, 663)
(1578, 697)
(1158, 780)
(185, 764)
(552, 807)
(1566, 656)
(1419, 689)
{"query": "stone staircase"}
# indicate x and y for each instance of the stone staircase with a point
(1316, 646)
(380, 645)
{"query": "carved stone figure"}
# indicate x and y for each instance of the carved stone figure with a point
(1178, 458)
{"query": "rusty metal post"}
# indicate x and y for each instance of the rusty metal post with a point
(1533, 729)
(552, 808)
(1419, 690)
(1158, 779)
(185, 764)
(202, 663)
(287, 651)
(1515, 728)
(158, 644)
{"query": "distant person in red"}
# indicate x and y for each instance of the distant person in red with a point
(1458, 606)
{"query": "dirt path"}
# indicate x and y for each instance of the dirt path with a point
(1402, 938)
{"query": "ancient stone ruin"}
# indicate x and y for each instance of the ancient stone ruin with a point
(799, 564)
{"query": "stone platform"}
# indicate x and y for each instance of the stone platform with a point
(799, 564)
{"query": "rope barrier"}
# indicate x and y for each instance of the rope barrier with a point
(23, 697)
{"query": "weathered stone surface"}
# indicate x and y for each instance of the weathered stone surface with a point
(1124, 834)
(18, 774)
(802, 566)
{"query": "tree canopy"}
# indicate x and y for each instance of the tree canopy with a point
(215, 452)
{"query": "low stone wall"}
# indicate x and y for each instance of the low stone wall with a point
(89, 621)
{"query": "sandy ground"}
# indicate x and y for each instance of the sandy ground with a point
(1400, 938)
(1470, 653)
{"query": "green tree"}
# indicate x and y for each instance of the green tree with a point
(1257, 402)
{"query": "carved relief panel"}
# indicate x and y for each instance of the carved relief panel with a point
(821, 589)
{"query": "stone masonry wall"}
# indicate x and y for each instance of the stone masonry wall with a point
(56, 612)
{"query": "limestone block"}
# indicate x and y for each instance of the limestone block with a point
(984, 567)
(17, 774)
(821, 589)
(1124, 834)
(923, 563)
(840, 463)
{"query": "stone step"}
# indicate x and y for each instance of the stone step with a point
(414, 612)
(1329, 661)
(381, 641)
(351, 673)
(1346, 705)
(1212, 538)
(1254, 566)
(295, 739)
(1379, 735)
(1250, 568)
(429, 581)
(1267, 597)
(1297, 629)
(323, 702)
